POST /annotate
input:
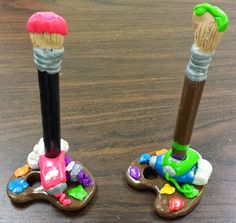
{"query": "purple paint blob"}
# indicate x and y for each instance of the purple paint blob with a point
(68, 175)
(84, 178)
(67, 159)
(88, 182)
(134, 172)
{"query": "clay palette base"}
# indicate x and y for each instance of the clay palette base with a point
(166, 205)
(34, 192)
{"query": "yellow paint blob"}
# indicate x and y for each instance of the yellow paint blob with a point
(167, 189)
(22, 171)
(160, 152)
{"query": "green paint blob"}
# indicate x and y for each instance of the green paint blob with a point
(188, 190)
(221, 18)
(78, 192)
(178, 146)
(182, 166)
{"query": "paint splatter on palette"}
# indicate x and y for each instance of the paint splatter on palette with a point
(168, 204)
(22, 189)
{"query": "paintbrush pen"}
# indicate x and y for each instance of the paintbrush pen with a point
(47, 31)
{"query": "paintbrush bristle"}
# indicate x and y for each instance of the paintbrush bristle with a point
(206, 34)
(47, 30)
(48, 41)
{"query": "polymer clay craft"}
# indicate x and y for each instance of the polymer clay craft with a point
(64, 182)
(179, 175)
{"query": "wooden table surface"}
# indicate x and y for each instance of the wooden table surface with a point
(123, 71)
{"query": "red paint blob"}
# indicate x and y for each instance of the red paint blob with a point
(47, 22)
(175, 204)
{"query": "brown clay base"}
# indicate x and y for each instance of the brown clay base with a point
(32, 194)
(152, 181)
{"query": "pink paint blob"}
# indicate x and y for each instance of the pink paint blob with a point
(47, 22)
(52, 170)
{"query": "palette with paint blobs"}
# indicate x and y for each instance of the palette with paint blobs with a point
(25, 186)
(169, 202)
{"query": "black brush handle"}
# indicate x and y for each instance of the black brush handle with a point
(50, 109)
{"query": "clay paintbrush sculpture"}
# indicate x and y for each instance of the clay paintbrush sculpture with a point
(65, 183)
(179, 175)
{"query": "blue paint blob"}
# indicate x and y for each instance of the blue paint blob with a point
(144, 158)
(17, 186)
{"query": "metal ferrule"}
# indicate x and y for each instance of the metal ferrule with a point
(48, 60)
(197, 67)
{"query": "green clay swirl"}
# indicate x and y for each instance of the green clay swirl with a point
(220, 17)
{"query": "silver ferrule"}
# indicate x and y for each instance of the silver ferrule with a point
(197, 67)
(48, 60)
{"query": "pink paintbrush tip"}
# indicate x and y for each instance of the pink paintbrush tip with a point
(47, 22)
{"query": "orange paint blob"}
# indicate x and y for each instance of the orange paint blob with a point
(160, 152)
(22, 171)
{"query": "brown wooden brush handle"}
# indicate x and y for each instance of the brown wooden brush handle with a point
(195, 78)
(191, 96)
